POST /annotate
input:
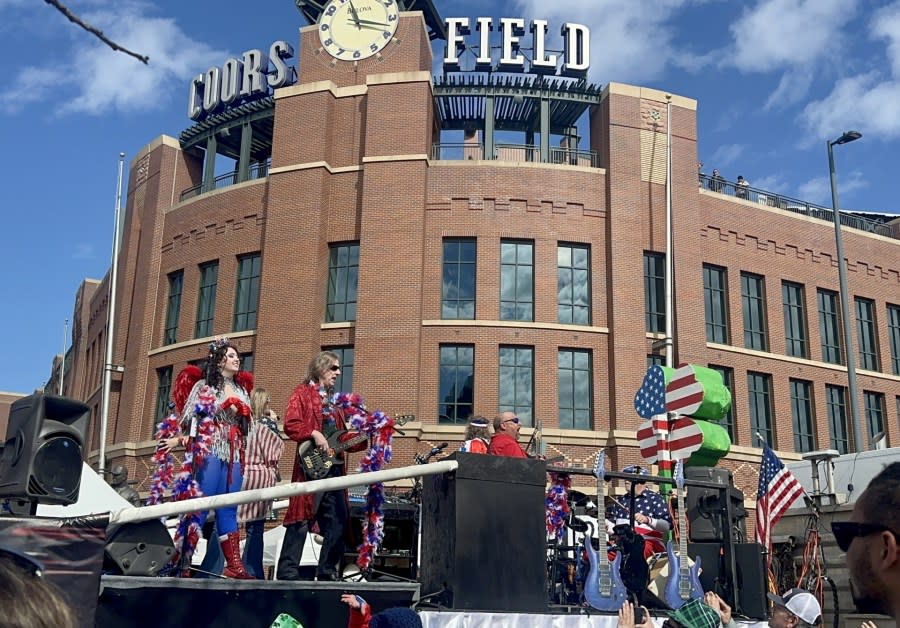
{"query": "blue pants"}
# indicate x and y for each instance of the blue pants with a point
(253, 548)
(213, 480)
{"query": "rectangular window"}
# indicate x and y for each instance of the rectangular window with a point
(173, 308)
(715, 300)
(875, 410)
(343, 276)
(655, 359)
(830, 326)
(655, 291)
(794, 303)
(517, 382)
(344, 382)
(163, 392)
(247, 362)
(802, 413)
(727, 374)
(837, 418)
(246, 300)
(893, 315)
(573, 284)
(753, 299)
(456, 389)
(574, 372)
(516, 281)
(458, 279)
(865, 333)
(206, 301)
(759, 388)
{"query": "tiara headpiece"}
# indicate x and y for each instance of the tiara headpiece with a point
(217, 344)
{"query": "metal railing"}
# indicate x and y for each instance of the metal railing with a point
(513, 152)
(258, 170)
(804, 208)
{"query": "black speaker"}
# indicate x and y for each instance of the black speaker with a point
(706, 510)
(750, 580)
(43, 453)
(138, 549)
(484, 535)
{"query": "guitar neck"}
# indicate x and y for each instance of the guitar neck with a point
(603, 559)
(682, 530)
(350, 442)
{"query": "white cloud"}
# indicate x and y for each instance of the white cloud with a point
(886, 25)
(818, 189)
(630, 41)
(777, 34)
(792, 88)
(863, 102)
(727, 154)
(83, 250)
(95, 79)
(770, 183)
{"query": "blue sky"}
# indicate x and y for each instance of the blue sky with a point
(774, 80)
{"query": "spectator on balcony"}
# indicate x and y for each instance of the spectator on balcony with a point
(717, 184)
(742, 188)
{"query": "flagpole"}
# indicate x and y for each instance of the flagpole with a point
(110, 324)
(62, 364)
(665, 461)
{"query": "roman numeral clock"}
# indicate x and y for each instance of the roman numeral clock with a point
(353, 30)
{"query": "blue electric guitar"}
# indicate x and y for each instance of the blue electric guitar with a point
(603, 587)
(683, 584)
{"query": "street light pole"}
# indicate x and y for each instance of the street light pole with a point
(855, 419)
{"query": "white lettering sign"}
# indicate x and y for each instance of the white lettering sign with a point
(240, 80)
(576, 46)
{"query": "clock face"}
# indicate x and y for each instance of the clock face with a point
(351, 30)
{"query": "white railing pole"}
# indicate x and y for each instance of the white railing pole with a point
(169, 509)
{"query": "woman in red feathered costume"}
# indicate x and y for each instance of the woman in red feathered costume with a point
(214, 424)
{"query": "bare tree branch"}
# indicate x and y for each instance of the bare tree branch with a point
(95, 31)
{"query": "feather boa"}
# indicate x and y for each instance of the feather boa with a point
(380, 429)
(557, 504)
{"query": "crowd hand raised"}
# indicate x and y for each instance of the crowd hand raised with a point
(714, 601)
(626, 617)
(167, 444)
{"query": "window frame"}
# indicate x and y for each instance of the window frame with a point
(760, 422)
(829, 306)
(458, 417)
(803, 411)
(574, 409)
(204, 327)
(582, 274)
(460, 264)
(519, 300)
(753, 307)
(246, 293)
(523, 408)
(173, 307)
(715, 302)
(796, 335)
(344, 278)
(654, 292)
(838, 426)
(867, 334)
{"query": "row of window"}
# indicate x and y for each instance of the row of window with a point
(456, 394)
(246, 299)
(796, 331)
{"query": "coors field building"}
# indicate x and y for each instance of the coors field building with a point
(482, 233)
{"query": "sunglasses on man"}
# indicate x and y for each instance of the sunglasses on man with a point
(512, 420)
(845, 531)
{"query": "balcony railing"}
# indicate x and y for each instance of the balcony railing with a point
(514, 152)
(772, 199)
(258, 170)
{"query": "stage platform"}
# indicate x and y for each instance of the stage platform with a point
(155, 602)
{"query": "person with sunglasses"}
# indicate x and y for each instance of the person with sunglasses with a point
(505, 441)
(871, 539)
(311, 415)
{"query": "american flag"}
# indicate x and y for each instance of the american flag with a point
(684, 394)
(778, 489)
(650, 399)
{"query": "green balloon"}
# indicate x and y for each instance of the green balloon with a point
(716, 396)
(716, 445)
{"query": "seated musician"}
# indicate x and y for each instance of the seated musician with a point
(311, 415)
(651, 515)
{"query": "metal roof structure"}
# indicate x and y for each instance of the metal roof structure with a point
(460, 100)
(312, 9)
(226, 125)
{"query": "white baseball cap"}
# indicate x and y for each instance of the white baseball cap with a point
(801, 603)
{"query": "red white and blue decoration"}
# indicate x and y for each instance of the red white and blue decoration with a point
(380, 429)
(557, 504)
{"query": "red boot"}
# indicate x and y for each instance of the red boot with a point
(231, 548)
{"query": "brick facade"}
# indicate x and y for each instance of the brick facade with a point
(350, 162)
